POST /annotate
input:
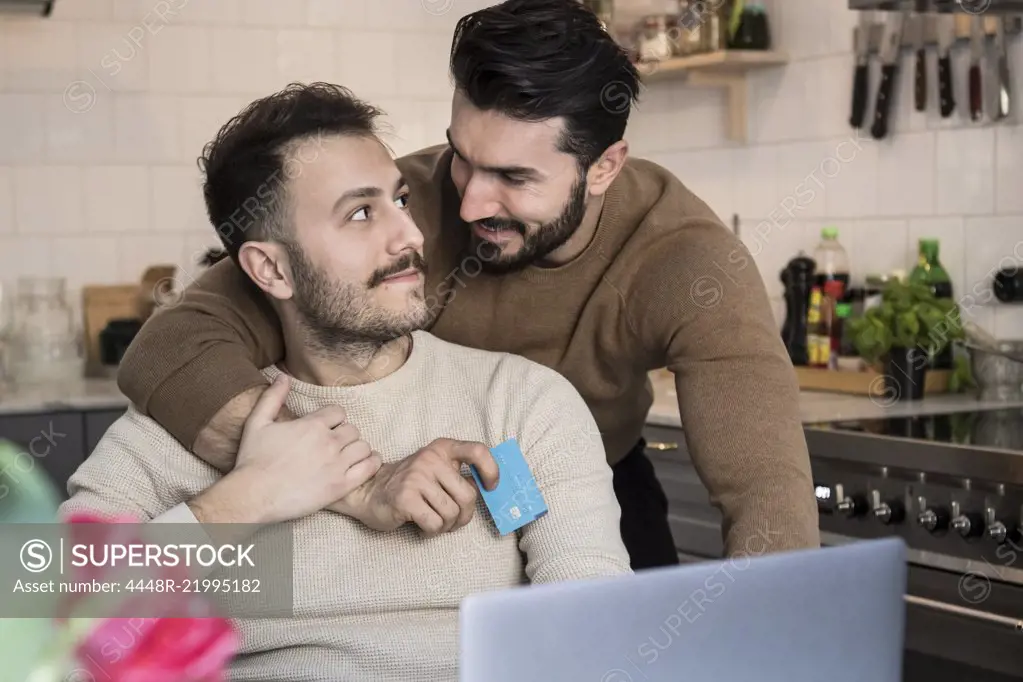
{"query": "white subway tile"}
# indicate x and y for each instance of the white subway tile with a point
(39, 56)
(348, 14)
(86, 260)
(153, 12)
(1009, 322)
(672, 117)
(219, 13)
(804, 175)
(202, 117)
(93, 10)
(138, 252)
(6, 201)
(274, 13)
(773, 242)
(415, 15)
(80, 127)
(850, 170)
(779, 100)
(992, 243)
(25, 256)
(306, 56)
(177, 199)
(366, 63)
(828, 99)
(1009, 169)
(980, 315)
(23, 133)
(115, 56)
(905, 177)
(952, 241)
(708, 174)
(755, 166)
(48, 200)
(117, 198)
(195, 246)
(424, 65)
(875, 246)
(245, 61)
(179, 60)
(965, 172)
(146, 129)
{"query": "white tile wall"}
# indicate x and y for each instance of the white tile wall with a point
(804, 168)
(106, 105)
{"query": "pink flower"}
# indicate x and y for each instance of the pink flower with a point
(124, 649)
(159, 649)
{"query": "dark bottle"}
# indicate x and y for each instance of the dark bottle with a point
(929, 271)
(798, 280)
(753, 31)
(1008, 285)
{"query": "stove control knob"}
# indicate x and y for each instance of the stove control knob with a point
(852, 506)
(996, 530)
(891, 511)
(933, 519)
(969, 525)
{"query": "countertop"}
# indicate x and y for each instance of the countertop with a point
(83, 394)
(814, 406)
(819, 406)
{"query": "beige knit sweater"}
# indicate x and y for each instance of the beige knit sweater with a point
(384, 606)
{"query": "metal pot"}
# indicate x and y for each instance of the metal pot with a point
(998, 376)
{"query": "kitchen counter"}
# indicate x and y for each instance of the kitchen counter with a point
(84, 394)
(818, 406)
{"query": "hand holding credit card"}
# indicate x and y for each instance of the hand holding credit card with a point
(516, 501)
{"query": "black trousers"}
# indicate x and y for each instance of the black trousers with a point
(645, 528)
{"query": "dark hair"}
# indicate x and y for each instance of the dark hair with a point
(248, 163)
(534, 60)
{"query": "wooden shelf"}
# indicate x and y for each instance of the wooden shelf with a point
(722, 69)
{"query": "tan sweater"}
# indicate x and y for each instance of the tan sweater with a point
(384, 606)
(662, 284)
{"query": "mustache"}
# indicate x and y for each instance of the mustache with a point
(503, 224)
(406, 262)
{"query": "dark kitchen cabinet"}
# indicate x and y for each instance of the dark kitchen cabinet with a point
(57, 441)
(53, 440)
(695, 523)
(96, 424)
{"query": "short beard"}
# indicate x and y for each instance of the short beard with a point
(536, 245)
(342, 316)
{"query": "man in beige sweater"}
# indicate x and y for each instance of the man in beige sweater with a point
(337, 256)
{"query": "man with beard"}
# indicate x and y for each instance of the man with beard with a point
(546, 240)
(336, 256)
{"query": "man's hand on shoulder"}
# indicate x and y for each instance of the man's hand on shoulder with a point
(426, 488)
(291, 468)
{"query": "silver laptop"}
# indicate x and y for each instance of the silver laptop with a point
(833, 614)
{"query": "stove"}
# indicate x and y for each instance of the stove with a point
(994, 428)
(951, 486)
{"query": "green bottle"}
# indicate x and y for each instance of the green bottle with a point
(929, 271)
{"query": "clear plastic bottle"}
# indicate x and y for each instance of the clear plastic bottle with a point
(832, 260)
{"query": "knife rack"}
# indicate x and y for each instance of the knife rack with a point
(930, 35)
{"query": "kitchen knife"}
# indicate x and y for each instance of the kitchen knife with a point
(946, 30)
(920, 70)
(976, 54)
(861, 75)
(890, 45)
(1004, 107)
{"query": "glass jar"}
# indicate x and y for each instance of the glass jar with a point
(43, 344)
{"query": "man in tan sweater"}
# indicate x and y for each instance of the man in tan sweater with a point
(546, 240)
(338, 258)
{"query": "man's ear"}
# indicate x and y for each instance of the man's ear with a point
(266, 264)
(607, 167)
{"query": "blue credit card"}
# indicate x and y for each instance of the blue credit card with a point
(516, 500)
